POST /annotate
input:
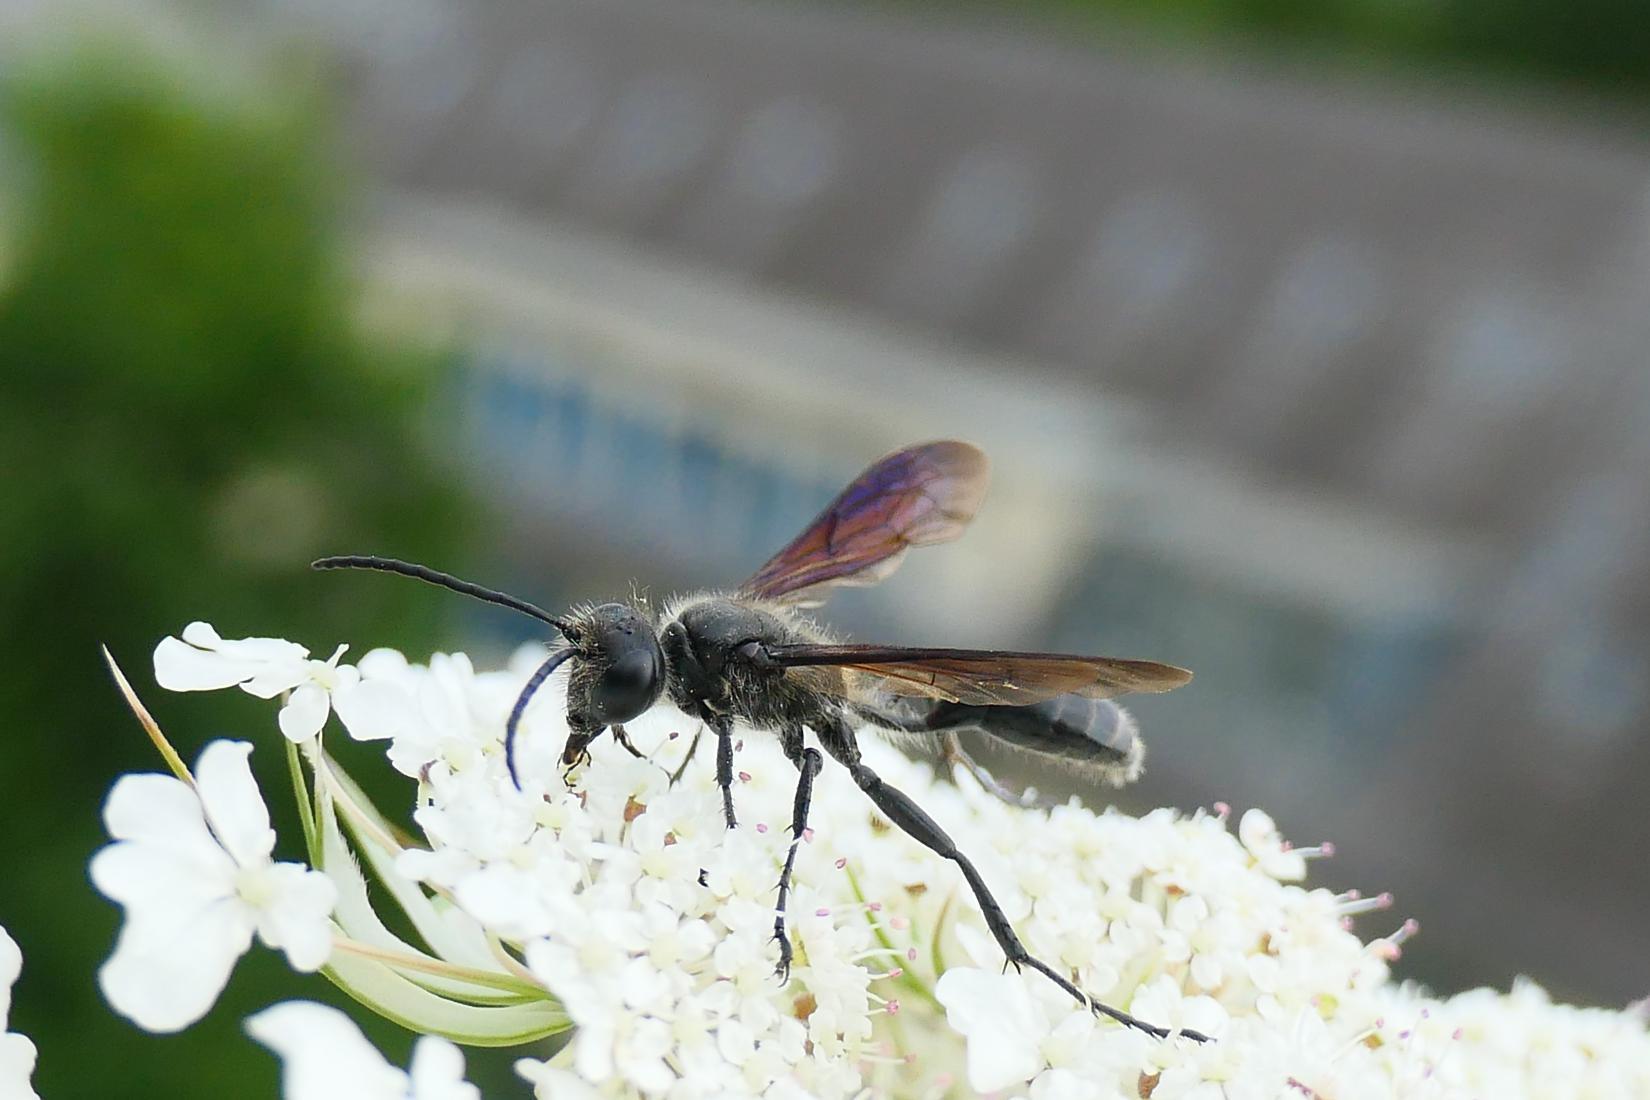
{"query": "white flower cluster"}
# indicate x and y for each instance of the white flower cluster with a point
(612, 903)
(649, 923)
(16, 1052)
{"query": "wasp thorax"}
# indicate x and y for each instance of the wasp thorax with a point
(701, 644)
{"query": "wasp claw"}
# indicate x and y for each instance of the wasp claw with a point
(783, 970)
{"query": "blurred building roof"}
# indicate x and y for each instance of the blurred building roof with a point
(1322, 278)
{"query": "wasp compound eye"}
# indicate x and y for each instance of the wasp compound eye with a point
(630, 685)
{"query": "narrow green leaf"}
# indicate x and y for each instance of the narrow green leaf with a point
(147, 721)
(403, 1001)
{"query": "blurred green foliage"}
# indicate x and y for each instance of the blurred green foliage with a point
(189, 412)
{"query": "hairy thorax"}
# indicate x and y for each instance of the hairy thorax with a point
(703, 635)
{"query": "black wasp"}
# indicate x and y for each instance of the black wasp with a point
(750, 656)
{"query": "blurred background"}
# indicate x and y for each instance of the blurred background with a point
(1308, 340)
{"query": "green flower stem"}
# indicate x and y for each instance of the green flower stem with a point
(906, 980)
(936, 952)
(306, 809)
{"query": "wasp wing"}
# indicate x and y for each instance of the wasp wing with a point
(914, 497)
(977, 677)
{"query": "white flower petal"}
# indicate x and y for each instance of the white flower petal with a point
(165, 974)
(17, 1053)
(504, 897)
(593, 1050)
(305, 713)
(1206, 971)
(270, 653)
(1061, 1084)
(235, 808)
(324, 1056)
(1003, 1025)
(294, 916)
(384, 664)
(735, 1042)
(376, 710)
(268, 681)
(17, 1057)
(152, 808)
(642, 1055)
(438, 1072)
(1204, 1014)
(166, 856)
(204, 661)
(11, 965)
(154, 878)
(1256, 829)
(204, 635)
(181, 667)
(980, 948)
(550, 1083)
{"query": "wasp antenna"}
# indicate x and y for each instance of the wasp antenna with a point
(534, 682)
(442, 580)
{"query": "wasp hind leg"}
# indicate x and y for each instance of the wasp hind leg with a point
(897, 807)
(928, 717)
(954, 756)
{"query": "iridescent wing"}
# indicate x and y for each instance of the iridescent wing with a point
(978, 677)
(914, 497)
